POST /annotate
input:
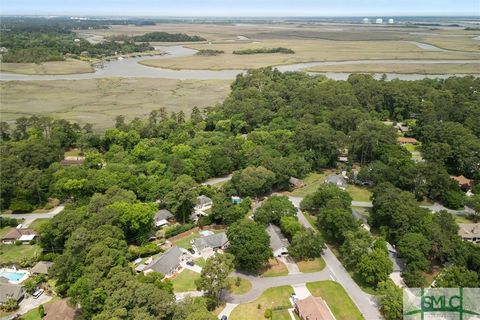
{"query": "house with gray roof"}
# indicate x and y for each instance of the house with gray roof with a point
(10, 290)
(337, 180)
(203, 203)
(162, 218)
(278, 243)
(208, 245)
(469, 232)
(166, 264)
(41, 267)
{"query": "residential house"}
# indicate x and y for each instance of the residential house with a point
(168, 263)
(162, 218)
(72, 161)
(463, 182)
(203, 203)
(313, 308)
(343, 159)
(296, 183)
(337, 180)
(208, 245)
(9, 290)
(41, 267)
(278, 243)
(405, 140)
(402, 128)
(25, 235)
(59, 310)
(469, 232)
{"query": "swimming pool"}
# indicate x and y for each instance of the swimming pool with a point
(13, 276)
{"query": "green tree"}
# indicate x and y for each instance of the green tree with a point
(253, 181)
(213, 278)
(306, 245)
(325, 193)
(391, 300)
(414, 247)
(182, 198)
(250, 244)
(374, 267)
(290, 226)
(336, 221)
(454, 276)
(356, 244)
(192, 309)
(273, 209)
(474, 203)
(136, 219)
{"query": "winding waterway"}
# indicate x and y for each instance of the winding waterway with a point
(130, 68)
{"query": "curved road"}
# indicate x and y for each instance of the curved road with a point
(130, 68)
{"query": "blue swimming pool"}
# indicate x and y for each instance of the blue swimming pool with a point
(12, 276)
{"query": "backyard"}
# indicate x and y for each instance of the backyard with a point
(277, 297)
(185, 281)
(13, 254)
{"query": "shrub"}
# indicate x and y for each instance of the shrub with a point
(144, 250)
(20, 205)
(268, 313)
(454, 199)
(41, 311)
(9, 305)
(238, 281)
(18, 243)
(177, 229)
(32, 242)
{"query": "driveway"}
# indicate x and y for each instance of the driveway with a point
(301, 291)
(30, 303)
(291, 265)
(214, 181)
(227, 310)
(365, 303)
(32, 216)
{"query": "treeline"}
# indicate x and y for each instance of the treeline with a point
(41, 43)
(209, 52)
(167, 37)
(264, 50)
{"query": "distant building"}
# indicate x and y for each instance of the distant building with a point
(313, 308)
(337, 180)
(405, 140)
(379, 21)
(207, 246)
(278, 243)
(25, 235)
(463, 182)
(390, 21)
(366, 20)
(343, 159)
(401, 127)
(162, 218)
(72, 161)
(203, 203)
(59, 310)
(296, 183)
(469, 232)
(168, 263)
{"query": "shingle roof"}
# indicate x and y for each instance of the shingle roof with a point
(163, 214)
(203, 200)
(469, 230)
(336, 180)
(167, 262)
(41, 267)
(9, 290)
(59, 310)
(17, 233)
(277, 240)
(212, 241)
(313, 308)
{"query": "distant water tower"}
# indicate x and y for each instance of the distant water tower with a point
(366, 20)
(379, 21)
(390, 21)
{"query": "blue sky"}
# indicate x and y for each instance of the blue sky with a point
(239, 8)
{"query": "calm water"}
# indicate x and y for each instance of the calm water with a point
(12, 276)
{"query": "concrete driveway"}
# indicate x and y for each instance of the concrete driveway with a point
(32, 216)
(30, 303)
(227, 310)
(301, 291)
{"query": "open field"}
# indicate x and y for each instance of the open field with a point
(99, 101)
(270, 298)
(359, 194)
(52, 67)
(336, 298)
(305, 51)
(312, 182)
(10, 253)
(420, 68)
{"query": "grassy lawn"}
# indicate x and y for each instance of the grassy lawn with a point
(359, 194)
(312, 182)
(185, 281)
(37, 223)
(200, 262)
(281, 315)
(185, 242)
(462, 219)
(10, 253)
(337, 299)
(275, 268)
(270, 298)
(51, 67)
(244, 286)
(312, 265)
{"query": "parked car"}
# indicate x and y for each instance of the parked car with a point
(224, 317)
(191, 251)
(190, 263)
(37, 293)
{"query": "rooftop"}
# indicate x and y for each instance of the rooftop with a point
(59, 310)
(469, 230)
(167, 262)
(277, 240)
(18, 233)
(313, 308)
(337, 180)
(406, 140)
(10, 290)
(163, 214)
(216, 240)
(41, 267)
(461, 180)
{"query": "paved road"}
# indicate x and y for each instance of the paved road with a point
(434, 207)
(32, 216)
(259, 285)
(365, 303)
(214, 181)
